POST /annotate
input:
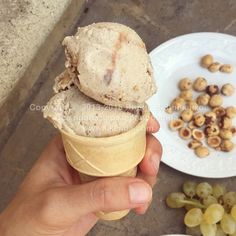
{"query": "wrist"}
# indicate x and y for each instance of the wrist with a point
(6, 226)
(3, 228)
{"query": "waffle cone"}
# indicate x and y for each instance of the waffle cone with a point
(109, 156)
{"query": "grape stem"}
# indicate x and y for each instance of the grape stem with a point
(189, 202)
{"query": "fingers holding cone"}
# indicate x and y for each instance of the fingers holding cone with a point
(151, 161)
(149, 166)
(153, 125)
(106, 194)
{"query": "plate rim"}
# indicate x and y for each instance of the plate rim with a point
(166, 43)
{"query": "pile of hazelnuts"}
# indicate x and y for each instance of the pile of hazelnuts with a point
(208, 62)
(214, 126)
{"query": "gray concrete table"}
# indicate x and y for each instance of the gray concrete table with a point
(156, 21)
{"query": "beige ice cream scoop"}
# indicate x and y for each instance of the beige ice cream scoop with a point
(75, 113)
(110, 64)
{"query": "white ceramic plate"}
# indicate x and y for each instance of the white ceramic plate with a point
(178, 58)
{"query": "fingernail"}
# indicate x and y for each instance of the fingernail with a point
(155, 161)
(139, 193)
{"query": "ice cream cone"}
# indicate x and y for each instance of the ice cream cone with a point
(108, 156)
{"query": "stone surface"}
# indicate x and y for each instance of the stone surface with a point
(156, 21)
(30, 31)
(24, 26)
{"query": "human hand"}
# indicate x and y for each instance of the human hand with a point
(52, 200)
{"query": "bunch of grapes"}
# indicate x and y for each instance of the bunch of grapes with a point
(211, 211)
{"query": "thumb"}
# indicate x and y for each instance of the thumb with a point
(107, 194)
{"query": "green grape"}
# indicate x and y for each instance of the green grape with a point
(219, 231)
(214, 213)
(193, 217)
(218, 190)
(228, 224)
(194, 203)
(233, 212)
(204, 189)
(177, 200)
(174, 200)
(189, 188)
(229, 199)
(193, 231)
(209, 200)
(208, 229)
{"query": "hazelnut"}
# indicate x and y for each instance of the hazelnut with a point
(215, 66)
(225, 122)
(191, 125)
(194, 144)
(226, 146)
(186, 115)
(176, 124)
(216, 100)
(210, 117)
(198, 134)
(187, 95)
(233, 130)
(226, 134)
(214, 141)
(231, 112)
(185, 84)
(206, 61)
(212, 130)
(226, 68)
(220, 111)
(199, 119)
(212, 89)
(200, 84)
(177, 104)
(227, 89)
(185, 133)
(203, 99)
(169, 110)
(202, 151)
(192, 105)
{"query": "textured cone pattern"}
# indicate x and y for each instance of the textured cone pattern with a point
(109, 156)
